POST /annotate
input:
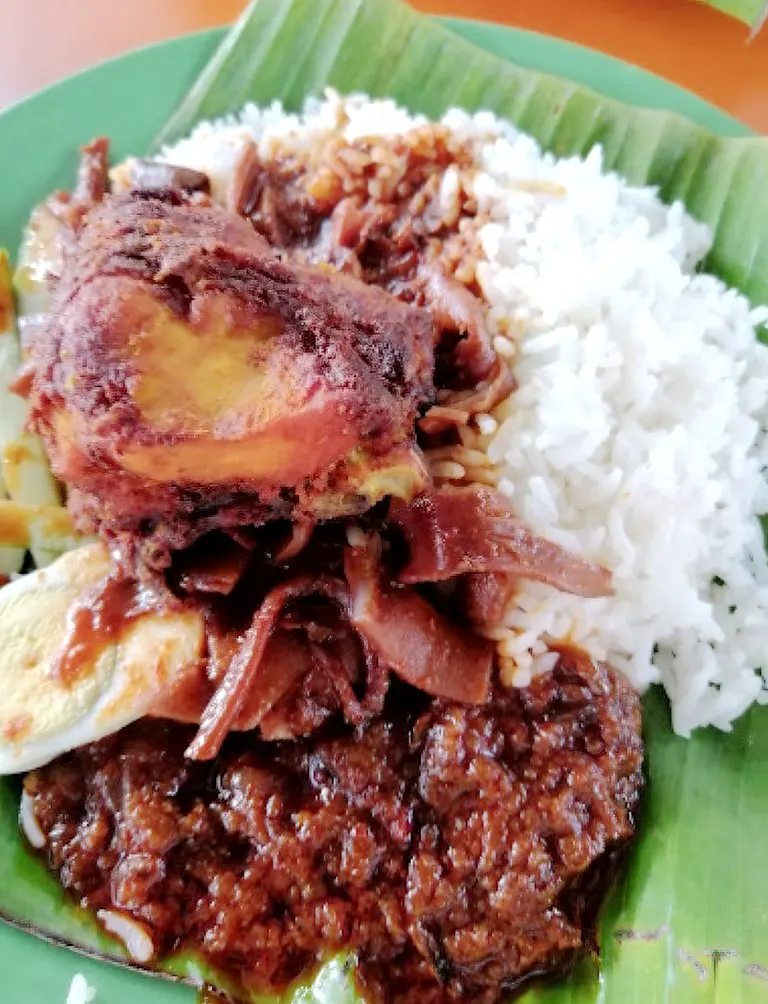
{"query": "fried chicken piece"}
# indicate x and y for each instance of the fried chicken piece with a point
(189, 380)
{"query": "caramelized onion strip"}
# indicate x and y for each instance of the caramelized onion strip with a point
(412, 638)
(457, 530)
(456, 408)
(92, 174)
(453, 531)
(455, 308)
(242, 674)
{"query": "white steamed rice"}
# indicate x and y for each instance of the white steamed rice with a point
(637, 437)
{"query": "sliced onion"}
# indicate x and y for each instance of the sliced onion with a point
(242, 674)
(410, 637)
(134, 935)
(454, 531)
(29, 824)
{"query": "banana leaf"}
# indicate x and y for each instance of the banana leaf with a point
(750, 11)
(688, 922)
(385, 48)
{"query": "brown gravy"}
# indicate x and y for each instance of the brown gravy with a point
(97, 621)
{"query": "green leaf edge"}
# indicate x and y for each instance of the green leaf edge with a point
(752, 12)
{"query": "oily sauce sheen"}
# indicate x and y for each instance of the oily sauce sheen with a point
(98, 620)
(457, 849)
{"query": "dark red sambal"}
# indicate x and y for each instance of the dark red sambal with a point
(458, 850)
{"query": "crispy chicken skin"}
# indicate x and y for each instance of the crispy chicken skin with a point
(188, 379)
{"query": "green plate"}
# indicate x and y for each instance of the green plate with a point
(130, 99)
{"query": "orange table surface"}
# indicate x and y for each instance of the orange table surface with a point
(682, 40)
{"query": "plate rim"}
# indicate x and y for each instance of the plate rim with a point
(63, 960)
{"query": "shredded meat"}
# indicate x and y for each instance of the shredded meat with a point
(454, 531)
(240, 193)
(242, 674)
(486, 596)
(216, 565)
(323, 210)
(459, 850)
(412, 638)
(156, 175)
(456, 309)
(65, 211)
(400, 632)
(298, 538)
(455, 408)
(92, 177)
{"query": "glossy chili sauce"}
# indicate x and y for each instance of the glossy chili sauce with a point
(458, 850)
(97, 620)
